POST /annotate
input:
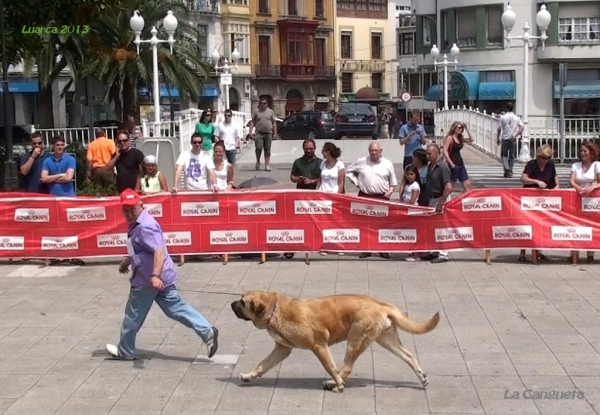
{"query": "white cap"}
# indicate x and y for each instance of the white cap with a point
(150, 159)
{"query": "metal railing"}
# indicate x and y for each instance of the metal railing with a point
(182, 128)
(541, 129)
(295, 71)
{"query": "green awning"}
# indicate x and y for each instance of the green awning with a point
(464, 86)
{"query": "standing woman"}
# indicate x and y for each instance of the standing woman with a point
(585, 178)
(453, 144)
(153, 180)
(333, 171)
(223, 169)
(206, 129)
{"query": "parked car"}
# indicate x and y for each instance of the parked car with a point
(246, 131)
(308, 124)
(356, 119)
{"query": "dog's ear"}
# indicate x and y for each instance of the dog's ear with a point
(258, 309)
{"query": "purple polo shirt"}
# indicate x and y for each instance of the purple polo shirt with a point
(146, 236)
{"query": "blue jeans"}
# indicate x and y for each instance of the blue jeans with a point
(170, 302)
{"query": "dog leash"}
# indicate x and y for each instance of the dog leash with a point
(209, 292)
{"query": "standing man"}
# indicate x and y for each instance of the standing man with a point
(306, 170)
(128, 161)
(198, 170)
(438, 187)
(376, 179)
(58, 170)
(99, 153)
(31, 163)
(153, 279)
(412, 136)
(263, 128)
(231, 135)
(510, 129)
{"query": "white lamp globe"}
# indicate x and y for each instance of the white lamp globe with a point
(136, 22)
(543, 18)
(170, 23)
(235, 56)
(509, 18)
(435, 52)
(455, 50)
(216, 56)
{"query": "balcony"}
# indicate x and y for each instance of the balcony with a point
(295, 72)
(202, 7)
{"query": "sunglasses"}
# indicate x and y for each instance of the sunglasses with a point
(197, 142)
(123, 141)
(38, 143)
(228, 115)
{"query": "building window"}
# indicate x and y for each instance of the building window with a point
(264, 6)
(497, 76)
(377, 81)
(579, 29)
(417, 83)
(264, 50)
(321, 52)
(346, 45)
(292, 8)
(406, 44)
(427, 31)
(300, 49)
(495, 31)
(466, 28)
(319, 8)
(203, 40)
(347, 82)
(376, 45)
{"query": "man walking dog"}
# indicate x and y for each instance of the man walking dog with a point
(153, 279)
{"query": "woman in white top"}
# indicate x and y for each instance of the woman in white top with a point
(223, 169)
(409, 187)
(333, 171)
(585, 177)
(153, 180)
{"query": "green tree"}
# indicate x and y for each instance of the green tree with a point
(115, 62)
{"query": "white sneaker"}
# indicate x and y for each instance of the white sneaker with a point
(213, 343)
(257, 166)
(115, 352)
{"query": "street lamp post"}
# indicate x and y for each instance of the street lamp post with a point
(542, 19)
(137, 25)
(226, 78)
(435, 52)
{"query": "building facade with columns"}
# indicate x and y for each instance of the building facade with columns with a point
(489, 73)
(292, 54)
(365, 48)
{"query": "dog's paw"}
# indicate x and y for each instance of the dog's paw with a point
(330, 385)
(246, 377)
(423, 380)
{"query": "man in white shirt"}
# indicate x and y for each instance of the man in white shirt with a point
(511, 128)
(376, 179)
(199, 170)
(230, 134)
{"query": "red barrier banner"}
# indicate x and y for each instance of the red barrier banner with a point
(39, 226)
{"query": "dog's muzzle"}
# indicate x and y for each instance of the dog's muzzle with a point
(236, 306)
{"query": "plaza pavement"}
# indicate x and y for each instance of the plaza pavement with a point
(504, 329)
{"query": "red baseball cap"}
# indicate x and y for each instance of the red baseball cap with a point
(130, 197)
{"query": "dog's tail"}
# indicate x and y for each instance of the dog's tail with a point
(402, 321)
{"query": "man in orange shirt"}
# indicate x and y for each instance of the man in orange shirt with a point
(99, 153)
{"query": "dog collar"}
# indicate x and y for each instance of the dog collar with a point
(274, 310)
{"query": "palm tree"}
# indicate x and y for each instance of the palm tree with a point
(114, 61)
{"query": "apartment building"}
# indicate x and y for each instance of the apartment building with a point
(365, 49)
(235, 28)
(489, 73)
(292, 54)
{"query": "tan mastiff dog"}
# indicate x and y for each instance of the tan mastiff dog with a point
(317, 324)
